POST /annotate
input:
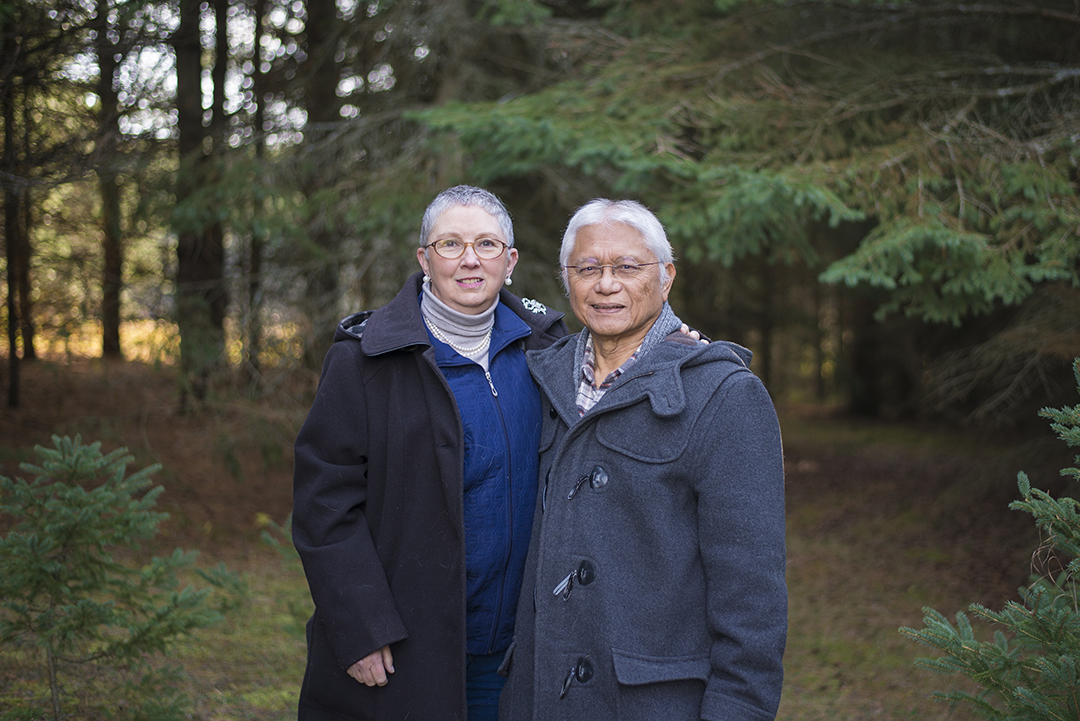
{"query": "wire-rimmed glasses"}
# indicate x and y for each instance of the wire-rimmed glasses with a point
(454, 248)
(622, 271)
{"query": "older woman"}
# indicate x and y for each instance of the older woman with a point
(415, 480)
(654, 587)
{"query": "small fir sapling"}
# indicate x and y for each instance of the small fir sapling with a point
(1028, 672)
(76, 605)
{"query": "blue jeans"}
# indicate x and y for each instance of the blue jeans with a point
(483, 685)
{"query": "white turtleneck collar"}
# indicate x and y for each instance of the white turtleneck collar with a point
(461, 331)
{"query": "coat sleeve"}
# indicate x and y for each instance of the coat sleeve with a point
(741, 532)
(330, 488)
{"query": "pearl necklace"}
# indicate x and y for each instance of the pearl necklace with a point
(435, 331)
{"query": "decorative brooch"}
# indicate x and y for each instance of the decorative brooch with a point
(534, 306)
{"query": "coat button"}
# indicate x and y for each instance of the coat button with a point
(584, 670)
(581, 671)
(597, 478)
(552, 413)
(586, 573)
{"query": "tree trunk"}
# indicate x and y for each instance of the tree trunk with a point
(22, 270)
(863, 389)
(324, 287)
(112, 247)
(255, 251)
(11, 219)
(199, 262)
(819, 337)
(112, 272)
(766, 323)
(22, 232)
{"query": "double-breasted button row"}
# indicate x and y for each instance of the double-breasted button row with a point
(581, 672)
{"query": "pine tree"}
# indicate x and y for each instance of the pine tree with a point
(1029, 671)
(98, 622)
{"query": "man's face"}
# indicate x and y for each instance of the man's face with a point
(616, 311)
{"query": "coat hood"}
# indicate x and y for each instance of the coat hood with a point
(663, 365)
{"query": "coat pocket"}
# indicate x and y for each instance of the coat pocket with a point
(652, 687)
(636, 432)
(634, 669)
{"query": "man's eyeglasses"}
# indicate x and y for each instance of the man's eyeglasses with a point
(454, 248)
(622, 271)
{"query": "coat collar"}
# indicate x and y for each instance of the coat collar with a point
(657, 375)
(399, 324)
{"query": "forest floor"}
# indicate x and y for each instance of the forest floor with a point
(883, 519)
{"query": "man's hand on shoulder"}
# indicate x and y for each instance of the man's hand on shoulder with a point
(696, 335)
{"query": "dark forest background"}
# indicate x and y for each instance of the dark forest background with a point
(879, 199)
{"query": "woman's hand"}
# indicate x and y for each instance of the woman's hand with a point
(374, 668)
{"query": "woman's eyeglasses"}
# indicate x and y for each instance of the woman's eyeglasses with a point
(454, 248)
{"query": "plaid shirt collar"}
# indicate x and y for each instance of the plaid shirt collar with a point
(588, 392)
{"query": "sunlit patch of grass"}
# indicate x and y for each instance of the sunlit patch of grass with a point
(147, 340)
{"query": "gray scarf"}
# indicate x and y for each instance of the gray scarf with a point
(664, 325)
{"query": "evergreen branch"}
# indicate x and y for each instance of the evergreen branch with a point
(901, 15)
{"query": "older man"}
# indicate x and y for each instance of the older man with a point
(654, 587)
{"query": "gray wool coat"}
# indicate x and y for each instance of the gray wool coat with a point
(654, 587)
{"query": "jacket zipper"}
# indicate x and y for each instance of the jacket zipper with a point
(509, 517)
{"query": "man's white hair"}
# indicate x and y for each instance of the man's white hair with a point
(602, 211)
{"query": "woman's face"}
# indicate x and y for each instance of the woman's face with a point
(468, 284)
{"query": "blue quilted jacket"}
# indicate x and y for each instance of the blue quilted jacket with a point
(500, 412)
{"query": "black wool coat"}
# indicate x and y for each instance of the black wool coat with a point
(377, 517)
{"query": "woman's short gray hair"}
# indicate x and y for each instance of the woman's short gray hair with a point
(466, 195)
(602, 211)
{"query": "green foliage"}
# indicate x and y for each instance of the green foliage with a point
(731, 212)
(85, 613)
(746, 121)
(940, 274)
(721, 212)
(516, 12)
(298, 601)
(1028, 672)
(1066, 423)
